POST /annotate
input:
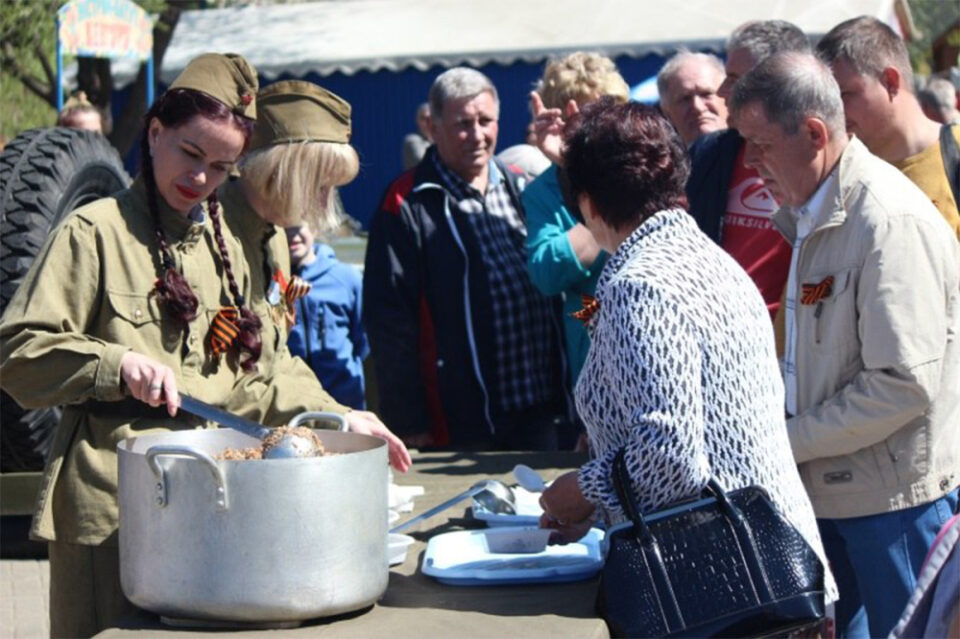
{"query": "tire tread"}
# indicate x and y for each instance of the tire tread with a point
(43, 173)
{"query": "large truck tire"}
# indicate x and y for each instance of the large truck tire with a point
(44, 175)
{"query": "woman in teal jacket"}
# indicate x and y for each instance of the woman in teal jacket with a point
(563, 257)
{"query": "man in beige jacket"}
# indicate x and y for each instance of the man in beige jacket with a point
(872, 360)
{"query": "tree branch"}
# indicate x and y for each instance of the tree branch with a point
(45, 91)
(47, 69)
(12, 63)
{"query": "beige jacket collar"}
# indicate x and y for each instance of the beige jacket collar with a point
(850, 168)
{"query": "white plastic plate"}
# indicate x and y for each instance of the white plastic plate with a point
(463, 558)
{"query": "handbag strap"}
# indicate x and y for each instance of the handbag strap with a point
(669, 608)
(745, 539)
(623, 485)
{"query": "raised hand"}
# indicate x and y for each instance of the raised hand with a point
(548, 126)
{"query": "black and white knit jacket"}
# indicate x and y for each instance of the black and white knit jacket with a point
(682, 371)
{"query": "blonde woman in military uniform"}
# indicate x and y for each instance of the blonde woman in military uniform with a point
(118, 311)
(299, 154)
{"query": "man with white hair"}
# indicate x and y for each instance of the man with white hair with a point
(939, 101)
(688, 85)
(872, 363)
(468, 352)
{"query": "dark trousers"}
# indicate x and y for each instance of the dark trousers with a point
(532, 429)
(536, 428)
(85, 594)
(875, 560)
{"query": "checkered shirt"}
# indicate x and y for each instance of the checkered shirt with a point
(524, 331)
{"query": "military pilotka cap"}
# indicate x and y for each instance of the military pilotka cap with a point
(298, 111)
(226, 77)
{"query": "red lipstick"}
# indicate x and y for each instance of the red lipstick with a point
(190, 194)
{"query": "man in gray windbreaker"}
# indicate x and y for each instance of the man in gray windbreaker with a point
(872, 361)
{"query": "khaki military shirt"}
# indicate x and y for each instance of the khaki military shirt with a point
(268, 257)
(87, 300)
(267, 254)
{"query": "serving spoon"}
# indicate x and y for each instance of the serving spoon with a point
(290, 445)
(492, 494)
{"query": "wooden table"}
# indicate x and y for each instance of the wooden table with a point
(418, 606)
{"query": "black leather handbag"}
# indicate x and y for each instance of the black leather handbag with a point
(727, 565)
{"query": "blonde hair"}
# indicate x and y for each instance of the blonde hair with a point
(76, 105)
(582, 77)
(297, 181)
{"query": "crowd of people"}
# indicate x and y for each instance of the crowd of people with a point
(826, 185)
(757, 283)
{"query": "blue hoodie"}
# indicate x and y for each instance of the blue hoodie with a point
(328, 326)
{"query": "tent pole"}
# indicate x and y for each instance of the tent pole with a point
(150, 80)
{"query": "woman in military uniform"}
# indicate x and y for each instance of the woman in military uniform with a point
(132, 298)
(299, 154)
(287, 176)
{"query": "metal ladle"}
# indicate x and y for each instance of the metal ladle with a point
(289, 446)
(492, 494)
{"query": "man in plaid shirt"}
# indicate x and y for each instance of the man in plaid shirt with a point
(467, 350)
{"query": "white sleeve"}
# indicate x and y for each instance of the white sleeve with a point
(651, 370)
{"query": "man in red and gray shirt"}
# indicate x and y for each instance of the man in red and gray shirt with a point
(727, 198)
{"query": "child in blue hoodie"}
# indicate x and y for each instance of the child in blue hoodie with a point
(328, 334)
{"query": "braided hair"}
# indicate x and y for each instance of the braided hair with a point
(176, 107)
(248, 322)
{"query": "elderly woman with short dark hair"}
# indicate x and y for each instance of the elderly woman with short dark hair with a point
(681, 371)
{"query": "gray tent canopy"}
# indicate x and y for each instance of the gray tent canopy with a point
(347, 36)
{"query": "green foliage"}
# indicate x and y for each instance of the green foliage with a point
(24, 23)
(28, 62)
(26, 29)
(22, 109)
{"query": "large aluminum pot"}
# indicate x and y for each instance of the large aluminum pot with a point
(262, 541)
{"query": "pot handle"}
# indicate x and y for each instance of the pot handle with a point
(336, 418)
(154, 452)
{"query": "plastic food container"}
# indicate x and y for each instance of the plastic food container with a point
(528, 511)
(517, 540)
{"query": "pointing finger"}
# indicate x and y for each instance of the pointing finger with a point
(536, 104)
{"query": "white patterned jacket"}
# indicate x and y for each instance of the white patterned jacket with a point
(683, 373)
